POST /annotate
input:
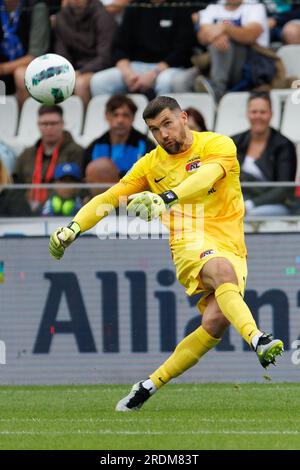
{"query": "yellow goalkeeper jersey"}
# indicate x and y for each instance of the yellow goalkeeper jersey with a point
(216, 214)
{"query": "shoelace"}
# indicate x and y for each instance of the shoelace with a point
(140, 396)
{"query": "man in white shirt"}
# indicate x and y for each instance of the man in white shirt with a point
(227, 29)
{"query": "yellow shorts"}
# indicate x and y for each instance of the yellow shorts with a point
(189, 259)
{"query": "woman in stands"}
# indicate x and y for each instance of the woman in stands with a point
(265, 155)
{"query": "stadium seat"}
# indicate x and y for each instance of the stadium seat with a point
(203, 102)
(73, 114)
(278, 97)
(289, 55)
(290, 119)
(8, 117)
(231, 116)
(28, 131)
(141, 102)
(95, 123)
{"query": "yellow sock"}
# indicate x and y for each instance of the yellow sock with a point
(186, 355)
(235, 309)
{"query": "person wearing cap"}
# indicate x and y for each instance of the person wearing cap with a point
(64, 201)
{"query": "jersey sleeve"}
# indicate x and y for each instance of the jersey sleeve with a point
(135, 179)
(220, 149)
(255, 14)
(207, 15)
(198, 184)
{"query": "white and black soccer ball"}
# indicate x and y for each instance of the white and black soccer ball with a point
(50, 79)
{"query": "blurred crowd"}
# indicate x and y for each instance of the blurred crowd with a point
(152, 47)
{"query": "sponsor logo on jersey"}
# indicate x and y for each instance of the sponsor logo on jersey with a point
(193, 166)
(211, 191)
(193, 158)
(157, 180)
(207, 253)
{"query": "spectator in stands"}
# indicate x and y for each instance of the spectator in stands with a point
(284, 21)
(24, 35)
(83, 34)
(122, 142)
(12, 201)
(291, 30)
(228, 29)
(55, 5)
(265, 155)
(8, 157)
(104, 171)
(64, 201)
(116, 8)
(152, 46)
(200, 59)
(37, 163)
(196, 121)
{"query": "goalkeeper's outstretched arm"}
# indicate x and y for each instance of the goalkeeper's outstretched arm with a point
(94, 211)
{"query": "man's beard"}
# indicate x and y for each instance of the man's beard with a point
(176, 148)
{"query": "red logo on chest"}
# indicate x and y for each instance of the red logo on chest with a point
(193, 165)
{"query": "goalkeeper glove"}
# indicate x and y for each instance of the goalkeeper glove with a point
(61, 238)
(149, 206)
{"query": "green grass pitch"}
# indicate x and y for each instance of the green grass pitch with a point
(179, 417)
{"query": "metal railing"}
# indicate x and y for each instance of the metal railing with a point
(248, 184)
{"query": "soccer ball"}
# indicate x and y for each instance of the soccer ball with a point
(50, 79)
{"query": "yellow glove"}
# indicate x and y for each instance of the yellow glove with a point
(149, 206)
(61, 238)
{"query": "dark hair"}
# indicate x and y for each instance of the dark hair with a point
(54, 108)
(263, 95)
(118, 100)
(157, 105)
(198, 118)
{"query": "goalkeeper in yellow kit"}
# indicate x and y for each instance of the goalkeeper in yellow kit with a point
(191, 180)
